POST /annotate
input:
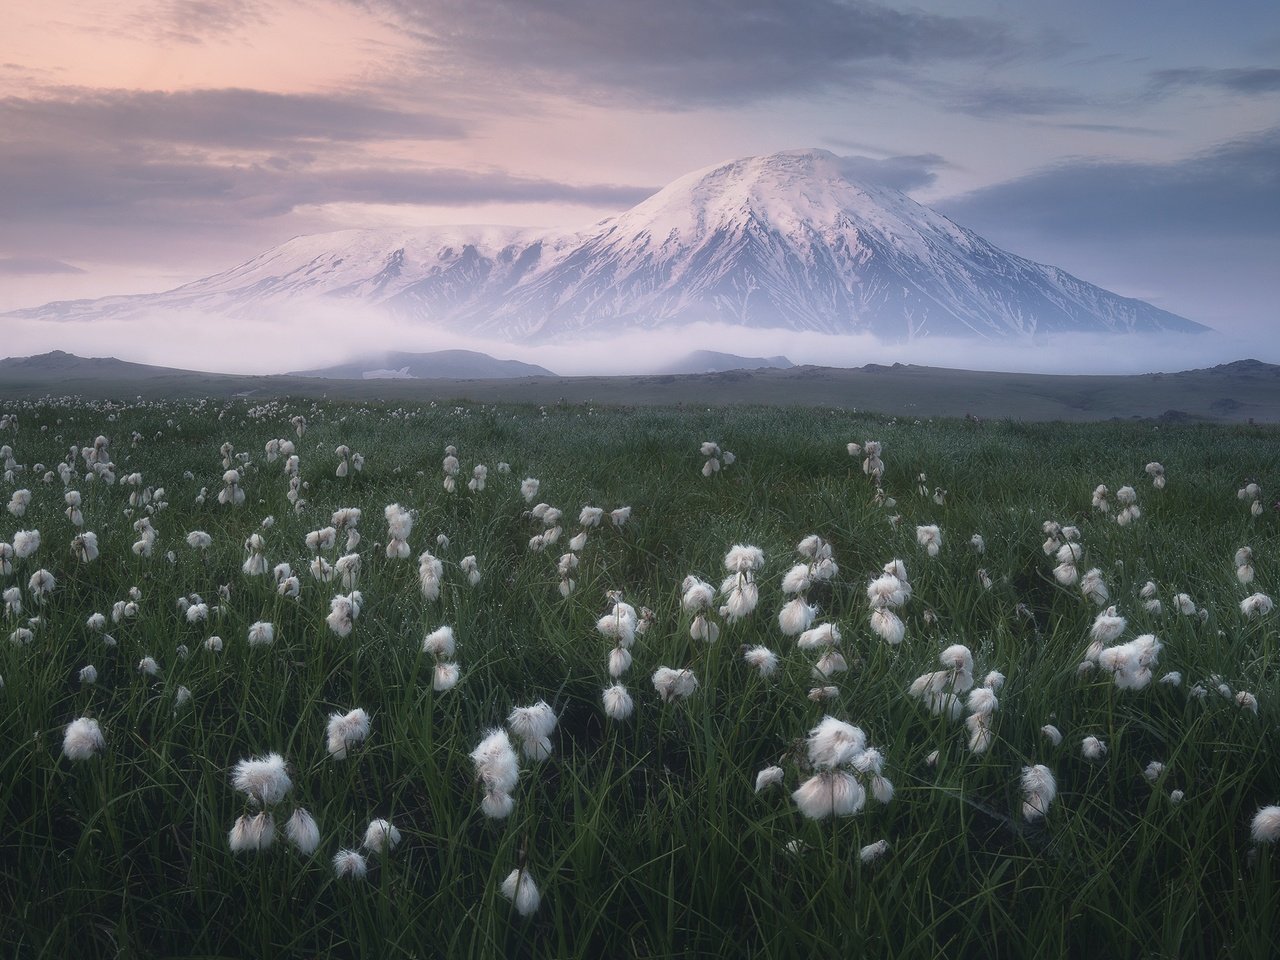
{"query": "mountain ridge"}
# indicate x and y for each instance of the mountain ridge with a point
(784, 241)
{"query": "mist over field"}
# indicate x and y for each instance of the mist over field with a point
(336, 334)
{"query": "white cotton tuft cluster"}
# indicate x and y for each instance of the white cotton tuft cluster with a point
(929, 537)
(264, 780)
(1128, 498)
(940, 689)
(520, 889)
(430, 575)
(1130, 663)
(886, 594)
(442, 644)
(498, 772)
(716, 458)
(83, 738)
(1256, 605)
(698, 598)
(399, 526)
(344, 610)
(617, 702)
(534, 726)
(839, 754)
(672, 684)
(346, 730)
(763, 659)
(1244, 565)
(872, 465)
(1038, 791)
(1251, 493)
(739, 587)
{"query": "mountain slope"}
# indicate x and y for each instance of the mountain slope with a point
(785, 241)
(438, 365)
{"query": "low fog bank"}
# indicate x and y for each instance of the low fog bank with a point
(227, 345)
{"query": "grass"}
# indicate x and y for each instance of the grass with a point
(645, 836)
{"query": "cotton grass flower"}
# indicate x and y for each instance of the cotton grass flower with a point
(1094, 587)
(349, 863)
(929, 537)
(674, 684)
(1130, 663)
(1052, 734)
(25, 543)
(1244, 566)
(343, 612)
(1038, 791)
(42, 583)
(399, 526)
(768, 777)
(534, 726)
(617, 702)
(521, 890)
(873, 851)
(498, 772)
(261, 634)
(264, 780)
(84, 547)
(440, 642)
(303, 832)
(430, 575)
(380, 836)
(445, 677)
(796, 616)
(88, 674)
(252, 833)
(83, 739)
(830, 793)
(1091, 748)
(346, 730)
(471, 569)
(1107, 628)
(1256, 605)
(1265, 827)
(763, 659)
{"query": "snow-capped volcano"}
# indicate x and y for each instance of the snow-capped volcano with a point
(787, 240)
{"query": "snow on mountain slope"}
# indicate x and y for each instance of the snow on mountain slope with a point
(780, 241)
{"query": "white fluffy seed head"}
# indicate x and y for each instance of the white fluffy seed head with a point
(83, 739)
(303, 831)
(523, 893)
(618, 704)
(263, 779)
(380, 836)
(349, 863)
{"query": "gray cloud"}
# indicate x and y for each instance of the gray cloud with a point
(226, 118)
(1024, 100)
(1233, 190)
(172, 211)
(47, 186)
(1246, 80)
(196, 21)
(1196, 236)
(904, 173)
(32, 266)
(681, 53)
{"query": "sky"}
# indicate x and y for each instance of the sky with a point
(146, 144)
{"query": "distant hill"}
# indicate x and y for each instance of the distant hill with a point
(437, 365)
(60, 364)
(711, 361)
(1234, 392)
